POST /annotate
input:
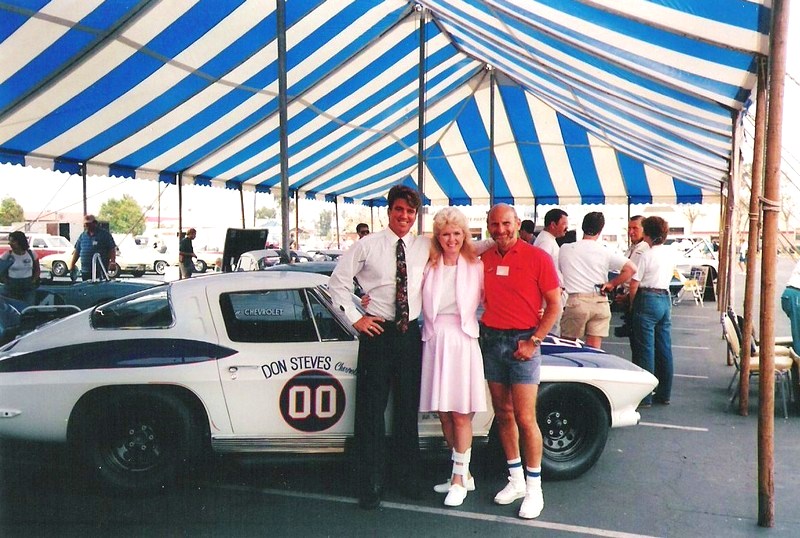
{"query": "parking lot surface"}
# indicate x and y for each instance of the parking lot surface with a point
(689, 469)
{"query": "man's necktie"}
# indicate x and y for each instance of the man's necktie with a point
(401, 293)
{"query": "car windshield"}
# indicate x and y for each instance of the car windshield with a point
(146, 310)
(60, 242)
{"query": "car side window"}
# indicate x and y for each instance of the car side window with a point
(38, 243)
(328, 326)
(268, 316)
(146, 310)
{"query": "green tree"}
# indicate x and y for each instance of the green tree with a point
(123, 216)
(324, 225)
(10, 212)
(265, 213)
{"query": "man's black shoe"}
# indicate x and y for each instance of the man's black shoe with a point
(370, 498)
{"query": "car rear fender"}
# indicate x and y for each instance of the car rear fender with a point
(104, 395)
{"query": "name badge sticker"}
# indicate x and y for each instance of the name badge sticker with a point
(502, 270)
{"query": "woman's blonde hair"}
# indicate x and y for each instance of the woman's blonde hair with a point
(451, 216)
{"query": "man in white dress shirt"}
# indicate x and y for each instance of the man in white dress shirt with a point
(389, 355)
(634, 252)
(556, 222)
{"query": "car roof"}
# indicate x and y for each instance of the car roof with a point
(261, 253)
(249, 280)
(307, 267)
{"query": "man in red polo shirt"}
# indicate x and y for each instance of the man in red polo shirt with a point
(518, 279)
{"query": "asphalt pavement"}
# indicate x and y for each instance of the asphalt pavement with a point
(689, 469)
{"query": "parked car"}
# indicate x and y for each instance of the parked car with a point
(697, 252)
(207, 258)
(149, 258)
(256, 260)
(58, 265)
(326, 254)
(43, 245)
(141, 387)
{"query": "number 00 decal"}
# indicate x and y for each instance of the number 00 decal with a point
(312, 401)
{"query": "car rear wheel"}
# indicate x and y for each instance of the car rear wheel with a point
(160, 267)
(574, 423)
(137, 440)
(113, 273)
(200, 266)
(59, 268)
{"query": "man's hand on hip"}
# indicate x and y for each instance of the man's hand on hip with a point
(369, 325)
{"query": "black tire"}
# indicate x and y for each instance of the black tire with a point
(200, 266)
(574, 423)
(113, 273)
(136, 440)
(59, 268)
(160, 267)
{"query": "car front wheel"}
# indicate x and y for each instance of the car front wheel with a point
(200, 266)
(59, 268)
(574, 423)
(136, 440)
(160, 267)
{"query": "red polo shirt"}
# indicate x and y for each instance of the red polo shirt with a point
(514, 285)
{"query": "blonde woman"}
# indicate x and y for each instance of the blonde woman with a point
(453, 383)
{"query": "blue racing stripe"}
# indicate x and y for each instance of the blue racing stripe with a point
(144, 353)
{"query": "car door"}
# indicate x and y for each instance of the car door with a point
(294, 371)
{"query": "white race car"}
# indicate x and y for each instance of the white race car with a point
(259, 361)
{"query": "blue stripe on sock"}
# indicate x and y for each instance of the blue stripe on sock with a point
(517, 464)
(532, 473)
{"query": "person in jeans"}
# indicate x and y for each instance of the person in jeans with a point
(518, 279)
(651, 313)
(186, 255)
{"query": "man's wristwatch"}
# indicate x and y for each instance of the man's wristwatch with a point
(536, 340)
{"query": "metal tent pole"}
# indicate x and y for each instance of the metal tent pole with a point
(421, 118)
(83, 175)
(336, 208)
(280, 18)
(241, 204)
(491, 135)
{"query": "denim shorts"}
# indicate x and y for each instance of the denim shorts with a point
(499, 365)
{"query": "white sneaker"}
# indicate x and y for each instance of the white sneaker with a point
(515, 489)
(533, 504)
(456, 495)
(444, 487)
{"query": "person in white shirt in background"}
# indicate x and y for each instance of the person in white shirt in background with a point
(651, 313)
(634, 252)
(556, 222)
(585, 265)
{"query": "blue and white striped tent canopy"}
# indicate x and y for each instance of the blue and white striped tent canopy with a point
(583, 101)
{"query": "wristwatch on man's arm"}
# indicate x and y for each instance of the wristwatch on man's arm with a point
(536, 341)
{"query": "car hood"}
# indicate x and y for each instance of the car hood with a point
(574, 354)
